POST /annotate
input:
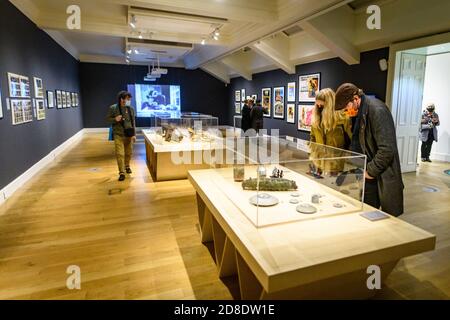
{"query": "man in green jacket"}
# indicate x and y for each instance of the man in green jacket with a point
(123, 119)
(374, 135)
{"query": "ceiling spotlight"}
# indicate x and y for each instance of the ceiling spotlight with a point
(140, 35)
(203, 42)
(133, 21)
(128, 61)
(136, 51)
(129, 51)
(216, 32)
(216, 37)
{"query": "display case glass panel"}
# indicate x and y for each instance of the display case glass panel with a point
(184, 130)
(274, 180)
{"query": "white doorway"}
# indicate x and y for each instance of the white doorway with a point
(418, 75)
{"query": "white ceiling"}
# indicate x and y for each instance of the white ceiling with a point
(316, 29)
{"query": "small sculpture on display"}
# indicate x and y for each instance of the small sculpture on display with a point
(315, 171)
(238, 173)
(277, 174)
(269, 184)
(306, 208)
(264, 200)
(261, 171)
(172, 134)
(315, 198)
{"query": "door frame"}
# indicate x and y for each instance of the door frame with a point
(394, 64)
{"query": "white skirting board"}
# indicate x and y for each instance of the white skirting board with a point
(12, 187)
(440, 156)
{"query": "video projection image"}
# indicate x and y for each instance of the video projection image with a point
(156, 100)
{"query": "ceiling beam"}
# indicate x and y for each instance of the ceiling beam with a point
(27, 7)
(116, 29)
(237, 10)
(276, 50)
(335, 30)
(402, 21)
(286, 18)
(239, 63)
(217, 70)
(62, 41)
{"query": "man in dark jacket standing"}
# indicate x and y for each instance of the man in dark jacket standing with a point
(123, 119)
(246, 122)
(374, 135)
(257, 116)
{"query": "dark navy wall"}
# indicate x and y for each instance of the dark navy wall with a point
(200, 92)
(28, 51)
(367, 75)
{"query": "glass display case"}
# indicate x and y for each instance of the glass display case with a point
(185, 129)
(274, 180)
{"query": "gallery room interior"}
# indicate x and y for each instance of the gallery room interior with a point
(128, 172)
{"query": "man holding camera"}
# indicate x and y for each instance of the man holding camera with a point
(428, 131)
(123, 119)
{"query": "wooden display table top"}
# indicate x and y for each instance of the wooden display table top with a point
(286, 255)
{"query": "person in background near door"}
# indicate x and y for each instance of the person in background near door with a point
(246, 122)
(428, 131)
(257, 115)
(123, 119)
(374, 135)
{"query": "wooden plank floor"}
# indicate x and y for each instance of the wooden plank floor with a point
(139, 239)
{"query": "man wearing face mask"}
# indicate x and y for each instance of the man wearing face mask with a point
(428, 131)
(122, 117)
(374, 135)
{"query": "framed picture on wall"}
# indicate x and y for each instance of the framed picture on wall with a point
(19, 86)
(38, 88)
(27, 110)
(40, 109)
(308, 86)
(237, 107)
(291, 92)
(266, 100)
(1, 104)
(237, 95)
(305, 115)
(69, 100)
(290, 113)
(50, 99)
(243, 94)
(74, 103)
(16, 111)
(278, 102)
(59, 104)
(64, 99)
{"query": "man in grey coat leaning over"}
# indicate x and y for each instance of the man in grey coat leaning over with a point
(374, 135)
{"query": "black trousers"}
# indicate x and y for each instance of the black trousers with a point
(371, 196)
(425, 149)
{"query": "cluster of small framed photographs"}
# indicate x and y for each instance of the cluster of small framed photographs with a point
(282, 102)
(22, 104)
(64, 99)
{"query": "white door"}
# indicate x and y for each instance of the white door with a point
(409, 108)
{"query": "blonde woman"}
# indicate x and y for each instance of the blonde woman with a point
(329, 127)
